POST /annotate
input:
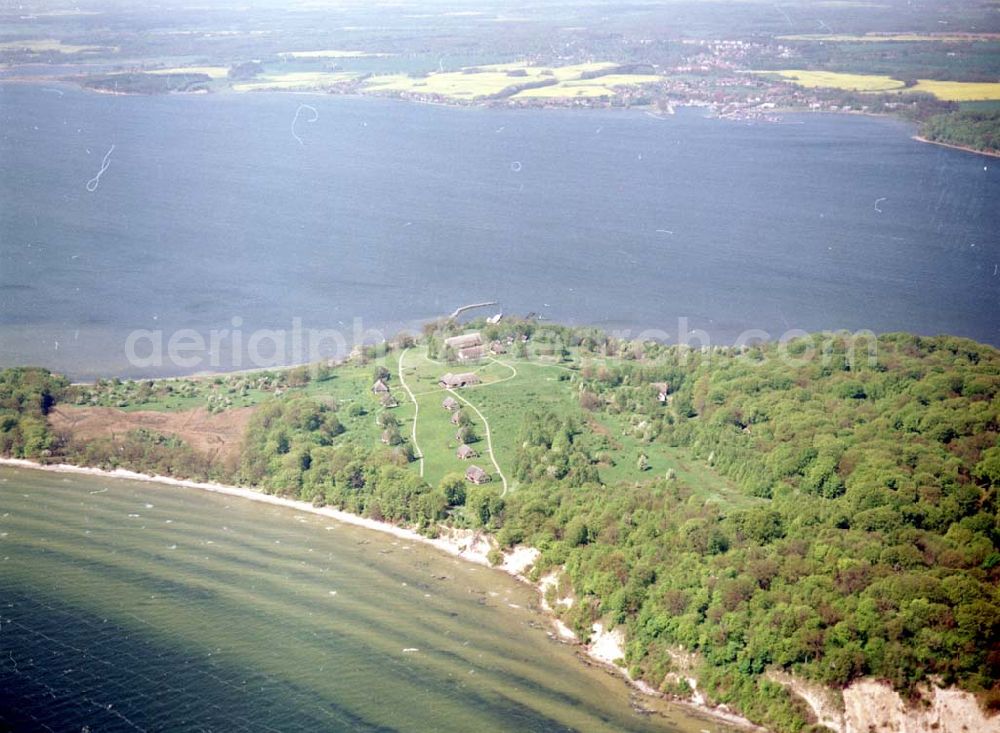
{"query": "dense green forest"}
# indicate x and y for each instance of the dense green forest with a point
(972, 129)
(139, 83)
(26, 396)
(872, 552)
(866, 541)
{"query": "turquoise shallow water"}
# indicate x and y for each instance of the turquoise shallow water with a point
(210, 209)
(134, 606)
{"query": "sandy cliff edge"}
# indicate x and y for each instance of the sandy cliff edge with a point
(866, 706)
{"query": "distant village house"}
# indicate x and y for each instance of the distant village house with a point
(380, 387)
(465, 452)
(450, 403)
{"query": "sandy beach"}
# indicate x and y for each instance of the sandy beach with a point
(605, 647)
(466, 544)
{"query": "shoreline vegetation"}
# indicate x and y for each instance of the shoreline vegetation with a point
(475, 547)
(710, 521)
(954, 146)
(975, 131)
(197, 84)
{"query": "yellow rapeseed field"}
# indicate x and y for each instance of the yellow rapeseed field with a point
(834, 80)
(483, 81)
(958, 91)
(952, 91)
(601, 86)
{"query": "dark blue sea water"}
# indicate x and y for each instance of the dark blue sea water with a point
(218, 207)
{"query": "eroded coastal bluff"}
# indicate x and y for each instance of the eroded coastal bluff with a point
(785, 536)
(865, 706)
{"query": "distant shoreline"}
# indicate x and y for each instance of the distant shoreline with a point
(965, 148)
(479, 104)
(541, 104)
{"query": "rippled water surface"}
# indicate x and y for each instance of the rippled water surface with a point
(136, 606)
(211, 209)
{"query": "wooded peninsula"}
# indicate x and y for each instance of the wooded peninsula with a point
(825, 508)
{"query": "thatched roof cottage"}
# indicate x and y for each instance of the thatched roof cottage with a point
(477, 475)
(464, 341)
(456, 381)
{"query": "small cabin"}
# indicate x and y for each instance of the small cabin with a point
(465, 452)
(388, 401)
(450, 404)
(497, 348)
(456, 417)
(477, 475)
(380, 387)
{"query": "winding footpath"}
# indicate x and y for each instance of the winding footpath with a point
(486, 423)
(416, 411)
(489, 437)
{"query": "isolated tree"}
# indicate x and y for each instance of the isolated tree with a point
(298, 377)
(453, 486)
(406, 450)
(589, 401)
(388, 420)
(392, 435)
(483, 505)
(466, 434)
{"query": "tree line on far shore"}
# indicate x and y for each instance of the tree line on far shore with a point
(979, 130)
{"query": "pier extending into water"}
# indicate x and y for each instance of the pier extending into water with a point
(459, 311)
